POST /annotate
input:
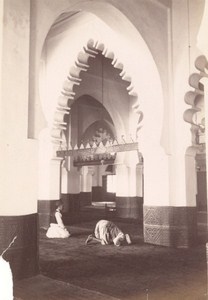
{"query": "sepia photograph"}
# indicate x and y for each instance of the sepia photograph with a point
(103, 182)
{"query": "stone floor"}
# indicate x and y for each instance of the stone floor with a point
(69, 269)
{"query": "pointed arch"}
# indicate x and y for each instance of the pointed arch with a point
(68, 92)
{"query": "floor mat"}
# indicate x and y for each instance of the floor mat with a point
(137, 271)
(44, 288)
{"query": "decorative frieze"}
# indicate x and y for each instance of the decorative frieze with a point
(170, 226)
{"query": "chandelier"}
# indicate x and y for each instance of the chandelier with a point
(97, 153)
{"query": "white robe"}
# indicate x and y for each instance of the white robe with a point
(57, 230)
(6, 280)
(108, 233)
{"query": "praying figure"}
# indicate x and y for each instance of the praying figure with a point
(106, 232)
(57, 228)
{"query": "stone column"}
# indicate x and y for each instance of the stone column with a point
(170, 212)
(49, 189)
(86, 185)
(70, 192)
(128, 202)
(203, 46)
(202, 43)
(18, 159)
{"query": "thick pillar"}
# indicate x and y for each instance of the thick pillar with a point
(86, 185)
(50, 191)
(202, 43)
(97, 188)
(170, 221)
(70, 192)
(203, 46)
(156, 195)
(49, 188)
(170, 213)
(128, 194)
(18, 159)
(205, 83)
(169, 216)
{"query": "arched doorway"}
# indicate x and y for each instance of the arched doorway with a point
(137, 83)
(89, 125)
